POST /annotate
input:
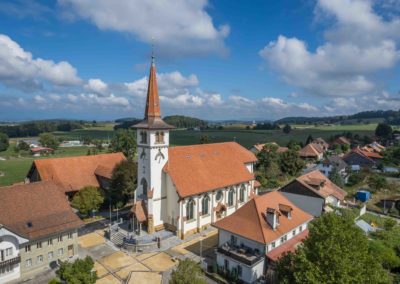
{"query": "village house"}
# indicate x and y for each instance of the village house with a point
(74, 173)
(253, 238)
(322, 143)
(312, 152)
(331, 162)
(341, 141)
(37, 229)
(39, 151)
(258, 147)
(359, 158)
(312, 192)
(186, 189)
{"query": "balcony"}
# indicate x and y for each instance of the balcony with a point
(243, 254)
(10, 261)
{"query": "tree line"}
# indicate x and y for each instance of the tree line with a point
(34, 128)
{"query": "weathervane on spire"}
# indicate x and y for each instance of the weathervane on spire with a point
(152, 51)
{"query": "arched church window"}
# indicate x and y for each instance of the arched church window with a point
(190, 210)
(241, 193)
(144, 186)
(143, 137)
(205, 203)
(230, 197)
(219, 195)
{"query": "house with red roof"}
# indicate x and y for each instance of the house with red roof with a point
(187, 188)
(270, 225)
(75, 173)
(362, 158)
(312, 151)
(313, 191)
(37, 228)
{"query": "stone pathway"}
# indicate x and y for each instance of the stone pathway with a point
(115, 265)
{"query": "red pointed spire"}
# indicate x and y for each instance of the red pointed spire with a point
(153, 101)
(152, 114)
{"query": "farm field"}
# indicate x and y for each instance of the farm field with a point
(247, 138)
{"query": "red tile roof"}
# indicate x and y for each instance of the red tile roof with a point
(139, 209)
(342, 141)
(249, 221)
(289, 246)
(310, 150)
(315, 179)
(364, 153)
(36, 210)
(201, 168)
(280, 149)
(74, 173)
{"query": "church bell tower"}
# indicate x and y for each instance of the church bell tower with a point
(152, 148)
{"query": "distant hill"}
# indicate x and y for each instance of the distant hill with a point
(126, 122)
(388, 116)
(34, 128)
(181, 121)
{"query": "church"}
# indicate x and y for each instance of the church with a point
(185, 189)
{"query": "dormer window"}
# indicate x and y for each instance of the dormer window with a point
(143, 137)
(286, 210)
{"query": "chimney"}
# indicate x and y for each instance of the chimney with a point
(271, 216)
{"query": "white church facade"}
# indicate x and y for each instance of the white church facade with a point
(187, 188)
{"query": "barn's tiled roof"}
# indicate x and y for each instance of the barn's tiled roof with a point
(74, 173)
(36, 210)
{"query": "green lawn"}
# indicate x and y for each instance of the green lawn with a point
(14, 170)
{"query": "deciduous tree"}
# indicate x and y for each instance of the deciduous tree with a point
(384, 131)
(48, 140)
(286, 129)
(187, 272)
(124, 141)
(78, 272)
(87, 200)
(291, 163)
(335, 252)
(377, 182)
(4, 142)
(123, 182)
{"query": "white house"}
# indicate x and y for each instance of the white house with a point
(185, 189)
(331, 162)
(37, 228)
(252, 239)
(10, 258)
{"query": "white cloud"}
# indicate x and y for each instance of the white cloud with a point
(19, 69)
(39, 99)
(96, 86)
(241, 101)
(177, 27)
(359, 44)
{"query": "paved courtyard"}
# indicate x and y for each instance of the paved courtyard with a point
(117, 266)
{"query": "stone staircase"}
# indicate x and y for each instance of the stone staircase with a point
(117, 238)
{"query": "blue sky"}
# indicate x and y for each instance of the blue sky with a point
(215, 59)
